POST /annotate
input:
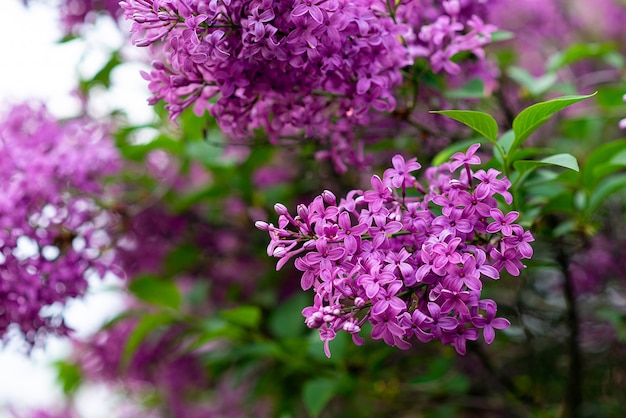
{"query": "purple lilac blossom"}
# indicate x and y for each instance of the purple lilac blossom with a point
(53, 232)
(75, 13)
(407, 256)
(297, 69)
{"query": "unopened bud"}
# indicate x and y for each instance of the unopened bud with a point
(329, 197)
(281, 209)
(263, 226)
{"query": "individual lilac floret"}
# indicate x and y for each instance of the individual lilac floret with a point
(411, 257)
(52, 232)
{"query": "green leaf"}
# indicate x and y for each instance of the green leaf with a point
(536, 86)
(561, 160)
(501, 35)
(316, 394)
(69, 376)
(581, 51)
(156, 290)
(604, 189)
(103, 77)
(246, 316)
(182, 258)
(482, 123)
(284, 321)
(616, 163)
(474, 89)
(536, 115)
(593, 168)
(208, 154)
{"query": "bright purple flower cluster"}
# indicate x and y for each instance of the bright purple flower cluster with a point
(406, 258)
(279, 65)
(51, 232)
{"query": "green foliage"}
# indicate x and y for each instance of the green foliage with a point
(156, 290)
(531, 118)
(69, 376)
(482, 123)
(317, 393)
(245, 316)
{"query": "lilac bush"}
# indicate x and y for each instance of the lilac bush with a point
(407, 257)
(275, 101)
(53, 228)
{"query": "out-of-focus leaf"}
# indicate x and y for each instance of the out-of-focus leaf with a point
(156, 290)
(482, 123)
(536, 86)
(616, 163)
(246, 316)
(604, 189)
(69, 376)
(577, 52)
(338, 347)
(316, 394)
(592, 169)
(501, 35)
(103, 77)
(181, 258)
(139, 152)
(531, 118)
(474, 89)
(208, 154)
(286, 321)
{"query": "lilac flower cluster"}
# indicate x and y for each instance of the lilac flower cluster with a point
(445, 29)
(280, 65)
(407, 258)
(75, 13)
(312, 69)
(52, 233)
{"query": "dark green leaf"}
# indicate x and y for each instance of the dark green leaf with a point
(247, 316)
(286, 321)
(182, 258)
(604, 189)
(156, 290)
(317, 393)
(592, 169)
